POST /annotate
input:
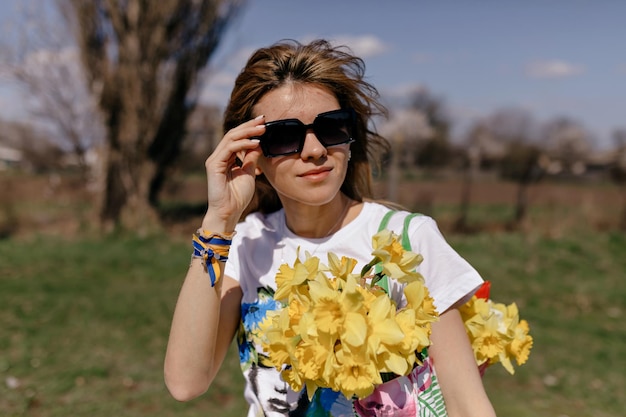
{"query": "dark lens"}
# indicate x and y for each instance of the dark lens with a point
(334, 128)
(282, 138)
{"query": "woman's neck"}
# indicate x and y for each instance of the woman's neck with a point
(320, 221)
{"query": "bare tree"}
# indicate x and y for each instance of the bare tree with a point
(406, 129)
(568, 143)
(45, 66)
(437, 150)
(478, 139)
(204, 131)
(143, 62)
(508, 137)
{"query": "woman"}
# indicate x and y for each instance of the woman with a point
(296, 157)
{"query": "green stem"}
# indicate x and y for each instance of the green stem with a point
(377, 277)
(367, 268)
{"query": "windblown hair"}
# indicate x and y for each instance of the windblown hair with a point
(318, 63)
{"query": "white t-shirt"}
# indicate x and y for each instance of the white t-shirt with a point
(263, 243)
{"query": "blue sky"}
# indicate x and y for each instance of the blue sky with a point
(550, 57)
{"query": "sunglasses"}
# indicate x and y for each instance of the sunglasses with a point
(286, 137)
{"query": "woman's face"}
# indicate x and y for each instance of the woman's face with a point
(315, 175)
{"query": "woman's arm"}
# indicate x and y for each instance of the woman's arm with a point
(206, 317)
(204, 323)
(456, 368)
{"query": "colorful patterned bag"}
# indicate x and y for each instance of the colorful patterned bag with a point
(417, 394)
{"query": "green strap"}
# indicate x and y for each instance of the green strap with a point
(406, 241)
(385, 221)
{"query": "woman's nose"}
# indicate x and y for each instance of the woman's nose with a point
(313, 148)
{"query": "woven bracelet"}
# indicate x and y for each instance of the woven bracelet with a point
(212, 248)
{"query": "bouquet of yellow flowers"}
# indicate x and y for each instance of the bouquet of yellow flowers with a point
(496, 332)
(341, 330)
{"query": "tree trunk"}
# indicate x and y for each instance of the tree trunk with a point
(125, 201)
(142, 60)
(521, 207)
(394, 169)
(128, 169)
(472, 166)
(461, 224)
(622, 222)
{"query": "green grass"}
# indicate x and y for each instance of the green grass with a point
(84, 323)
(84, 328)
(571, 291)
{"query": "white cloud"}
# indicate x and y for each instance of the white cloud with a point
(364, 46)
(553, 69)
(402, 91)
(220, 76)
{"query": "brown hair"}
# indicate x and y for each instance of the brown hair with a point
(321, 64)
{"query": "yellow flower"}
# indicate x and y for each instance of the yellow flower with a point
(419, 299)
(333, 309)
(355, 374)
(384, 329)
(340, 333)
(280, 340)
(288, 277)
(311, 357)
(496, 332)
(293, 378)
(488, 339)
(397, 263)
(416, 337)
(468, 310)
(522, 343)
(340, 268)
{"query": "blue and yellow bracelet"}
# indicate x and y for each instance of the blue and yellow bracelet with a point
(212, 248)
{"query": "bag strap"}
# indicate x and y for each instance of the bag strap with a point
(406, 241)
(385, 221)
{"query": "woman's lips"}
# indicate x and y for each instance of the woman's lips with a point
(316, 174)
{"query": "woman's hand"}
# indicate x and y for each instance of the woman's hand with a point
(231, 171)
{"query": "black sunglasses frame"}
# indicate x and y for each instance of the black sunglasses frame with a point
(350, 119)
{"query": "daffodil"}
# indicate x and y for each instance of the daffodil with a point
(355, 376)
(489, 340)
(522, 343)
(340, 268)
(396, 262)
(496, 332)
(288, 277)
(311, 358)
(335, 331)
(422, 303)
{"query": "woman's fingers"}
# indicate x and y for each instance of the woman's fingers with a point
(231, 169)
(250, 158)
(236, 143)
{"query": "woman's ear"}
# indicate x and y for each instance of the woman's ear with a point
(258, 171)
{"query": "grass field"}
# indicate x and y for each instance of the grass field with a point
(84, 323)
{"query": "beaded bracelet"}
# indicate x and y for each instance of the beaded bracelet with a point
(211, 248)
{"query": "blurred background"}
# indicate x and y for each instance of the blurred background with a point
(507, 123)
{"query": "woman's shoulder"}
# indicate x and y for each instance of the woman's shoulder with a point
(395, 218)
